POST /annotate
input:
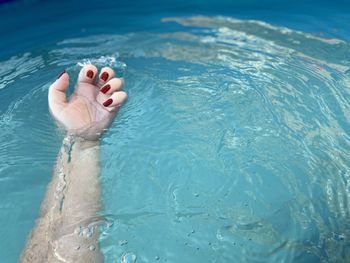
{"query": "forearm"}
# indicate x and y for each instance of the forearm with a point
(72, 201)
(81, 183)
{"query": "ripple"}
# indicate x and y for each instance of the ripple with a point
(234, 143)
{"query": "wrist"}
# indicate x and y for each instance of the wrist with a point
(86, 144)
(72, 141)
(84, 134)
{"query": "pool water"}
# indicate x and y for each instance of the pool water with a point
(234, 143)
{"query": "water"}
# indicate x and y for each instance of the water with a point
(233, 145)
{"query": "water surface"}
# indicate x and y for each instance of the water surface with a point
(233, 145)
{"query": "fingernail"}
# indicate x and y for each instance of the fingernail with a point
(90, 74)
(108, 102)
(104, 76)
(105, 88)
(60, 75)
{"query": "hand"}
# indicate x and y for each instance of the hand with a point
(94, 104)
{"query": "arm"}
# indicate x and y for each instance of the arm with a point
(67, 229)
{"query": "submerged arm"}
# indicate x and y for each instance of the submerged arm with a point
(67, 228)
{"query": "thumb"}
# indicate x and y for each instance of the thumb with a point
(57, 96)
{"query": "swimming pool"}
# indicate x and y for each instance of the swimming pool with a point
(233, 145)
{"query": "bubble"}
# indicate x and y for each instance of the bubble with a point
(110, 224)
(129, 257)
(191, 233)
(123, 242)
(77, 230)
(85, 231)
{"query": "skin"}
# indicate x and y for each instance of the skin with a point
(68, 227)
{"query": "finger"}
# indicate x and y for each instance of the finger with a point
(57, 96)
(88, 74)
(115, 84)
(116, 100)
(105, 75)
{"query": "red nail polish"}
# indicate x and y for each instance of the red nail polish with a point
(90, 74)
(108, 102)
(105, 88)
(60, 75)
(104, 76)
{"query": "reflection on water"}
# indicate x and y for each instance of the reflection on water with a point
(233, 146)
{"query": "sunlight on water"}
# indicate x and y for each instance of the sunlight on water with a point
(234, 144)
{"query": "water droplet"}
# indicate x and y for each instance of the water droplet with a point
(77, 247)
(156, 258)
(92, 247)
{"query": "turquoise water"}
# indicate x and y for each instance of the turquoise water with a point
(233, 145)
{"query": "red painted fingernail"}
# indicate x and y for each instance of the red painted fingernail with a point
(60, 75)
(108, 102)
(105, 88)
(90, 74)
(104, 76)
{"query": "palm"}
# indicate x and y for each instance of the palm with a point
(84, 114)
(84, 109)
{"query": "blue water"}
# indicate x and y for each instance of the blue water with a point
(234, 143)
